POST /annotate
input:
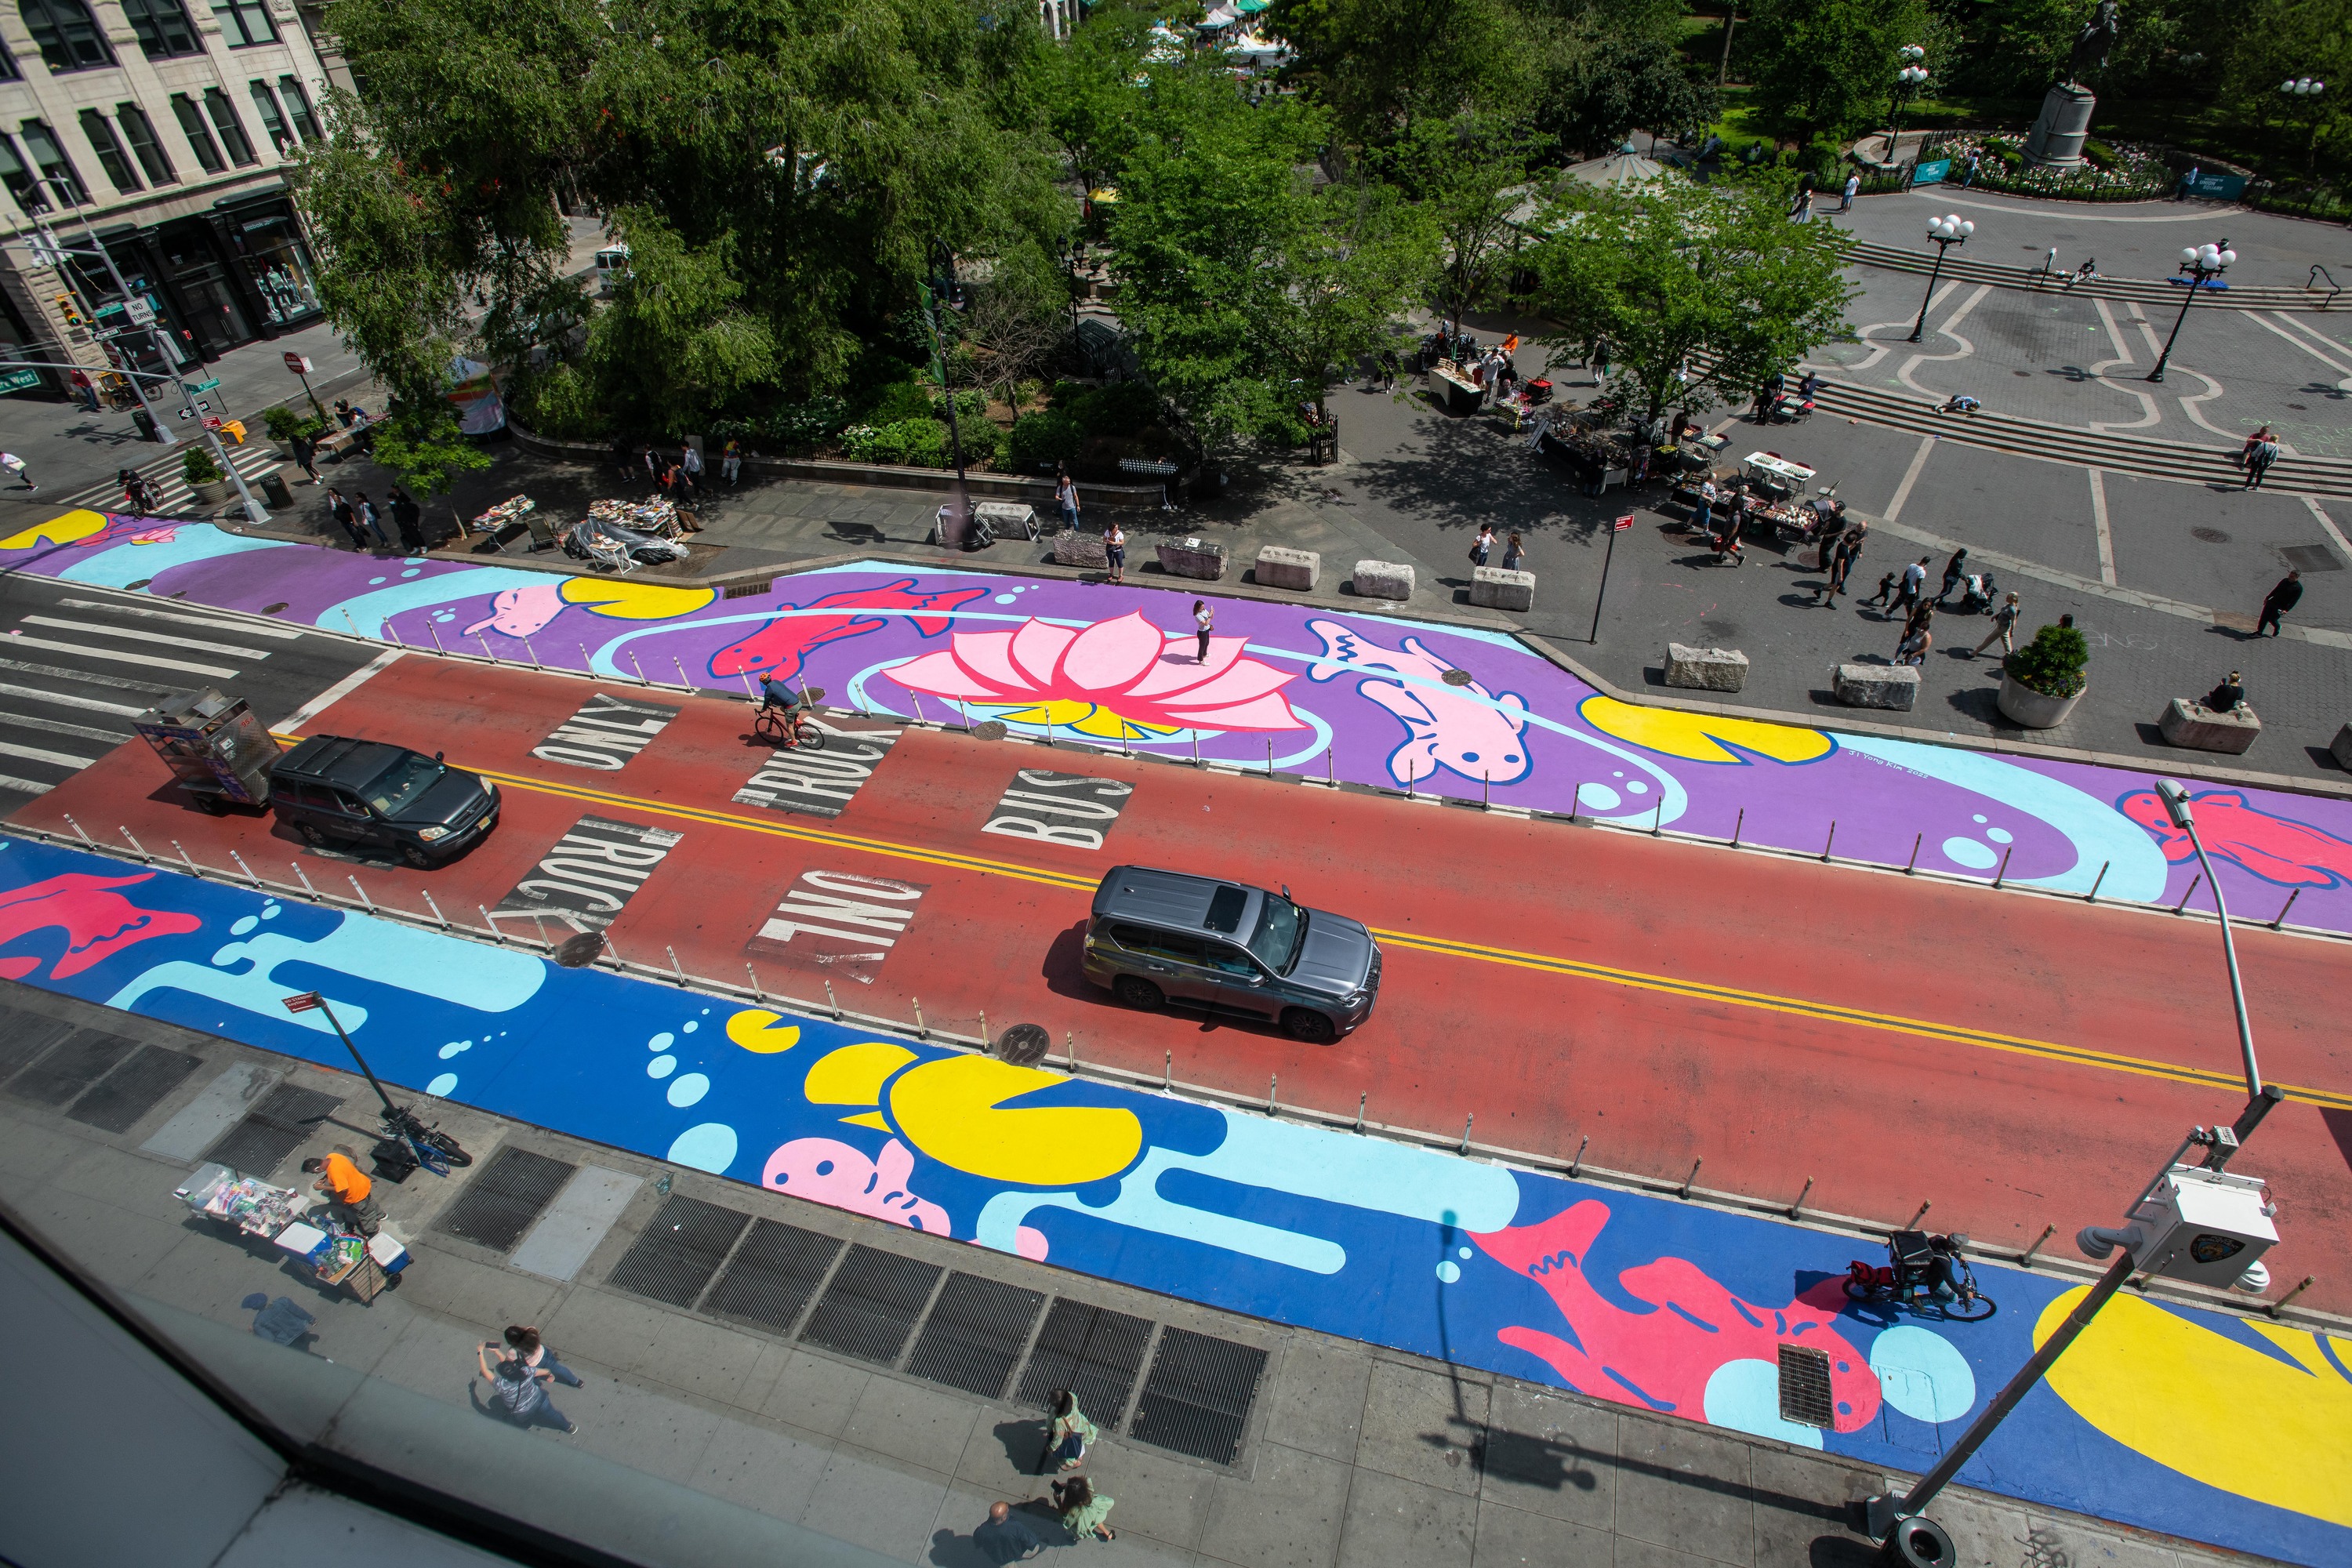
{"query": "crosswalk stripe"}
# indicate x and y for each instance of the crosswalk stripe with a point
(101, 629)
(34, 753)
(91, 675)
(168, 479)
(243, 628)
(58, 726)
(66, 698)
(149, 660)
(26, 785)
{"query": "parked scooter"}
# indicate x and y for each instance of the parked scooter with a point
(1923, 1271)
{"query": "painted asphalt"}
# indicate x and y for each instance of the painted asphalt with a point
(2167, 1418)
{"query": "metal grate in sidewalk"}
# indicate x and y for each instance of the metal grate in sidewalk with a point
(1094, 1352)
(772, 1275)
(872, 1304)
(280, 1124)
(133, 1089)
(69, 1068)
(1197, 1399)
(974, 1335)
(504, 1197)
(25, 1038)
(1805, 1396)
(680, 1248)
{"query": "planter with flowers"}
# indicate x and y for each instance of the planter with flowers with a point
(2041, 682)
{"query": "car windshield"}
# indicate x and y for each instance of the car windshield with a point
(397, 787)
(1281, 925)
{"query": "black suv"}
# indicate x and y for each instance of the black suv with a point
(366, 793)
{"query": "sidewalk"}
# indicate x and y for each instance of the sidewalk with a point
(1343, 1456)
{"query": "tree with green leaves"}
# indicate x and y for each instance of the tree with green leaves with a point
(1469, 176)
(1701, 292)
(1380, 66)
(420, 441)
(1822, 69)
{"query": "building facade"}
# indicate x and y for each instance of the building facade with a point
(162, 128)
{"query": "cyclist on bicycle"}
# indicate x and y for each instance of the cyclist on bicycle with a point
(775, 696)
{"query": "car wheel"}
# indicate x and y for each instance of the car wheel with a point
(1313, 1028)
(415, 857)
(1139, 994)
(311, 835)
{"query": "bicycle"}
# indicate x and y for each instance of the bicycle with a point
(418, 1142)
(1926, 1273)
(785, 725)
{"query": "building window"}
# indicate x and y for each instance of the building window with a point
(192, 122)
(298, 109)
(8, 68)
(273, 124)
(69, 39)
(19, 180)
(102, 142)
(162, 29)
(50, 159)
(245, 22)
(141, 134)
(232, 129)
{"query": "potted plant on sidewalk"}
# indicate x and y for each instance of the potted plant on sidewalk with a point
(284, 424)
(203, 476)
(2041, 682)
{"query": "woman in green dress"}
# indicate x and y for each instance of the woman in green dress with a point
(1084, 1514)
(1070, 1434)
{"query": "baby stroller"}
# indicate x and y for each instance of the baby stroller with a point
(1978, 594)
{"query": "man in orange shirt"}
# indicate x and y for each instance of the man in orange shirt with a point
(347, 1192)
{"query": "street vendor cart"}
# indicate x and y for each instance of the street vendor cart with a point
(218, 751)
(1453, 388)
(1773, 478)
(335, 1255)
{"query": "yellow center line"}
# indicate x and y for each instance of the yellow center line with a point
(1825, 1012)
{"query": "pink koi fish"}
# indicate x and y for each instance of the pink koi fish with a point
(779, 649)
(98, 922)
(1464, 729)
(1662, 1358)
(2275, 849)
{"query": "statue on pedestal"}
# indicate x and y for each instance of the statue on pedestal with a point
(2064, 123)
(2091, 49)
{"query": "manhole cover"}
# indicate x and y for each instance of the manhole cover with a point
(990, 730)
(2209, 535)
(1024, 1045)
(1457, 678)
(815, 694)
(575, 951)
(273, 609)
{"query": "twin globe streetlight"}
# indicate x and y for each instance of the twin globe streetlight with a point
(2202, 263)
(1946, 232)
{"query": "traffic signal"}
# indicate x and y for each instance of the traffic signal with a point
(70, 311)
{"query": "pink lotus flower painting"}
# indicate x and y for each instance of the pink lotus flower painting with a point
(1122, 679)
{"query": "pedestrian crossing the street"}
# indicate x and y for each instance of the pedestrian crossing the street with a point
(167, 479)
(76, 673)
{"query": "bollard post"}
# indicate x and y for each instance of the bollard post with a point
(1359, 1108)
(1692, 1177)
(1658, 817)
(1738, 823)
(1070, 1048)
(1330, 777)
(1410, 778)
(1124, 749)
(1795, 1208)
(2182, 907)
(435, 908)
(1911, 866)
(1577, 1163)
(757, 995)
(393, 633)
(1832, 839)
(1269, 759)
(491, 925)
(1920, 1215)
(1575, 800)
(683, 683)
(919, 707)
(139, 846)
(361, 891)
(2092, 896)
(2025, 1258)
(484, 641)
(1272, 1080)
(2292, 894)
(922, 1030)
(1465, 1133)
(614, 948)
(534, 655)
(185, 860)
(832, 1002)
(353, 625)
(303, 880)
(2002, 875)
(1168, 1073)
(676, 967)
(2275, 1308)
(983, 1031)
(77, 827)
(256, 881)
(436, 632)
(1485, 784)
(587, 665)
(639, 667)
(1196, 748)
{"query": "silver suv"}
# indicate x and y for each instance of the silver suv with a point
(1163, 937)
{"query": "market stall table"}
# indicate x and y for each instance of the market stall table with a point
(337, 1256)
(1007, 517)
(1456, 391)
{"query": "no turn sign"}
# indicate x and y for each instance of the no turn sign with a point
(298, 364)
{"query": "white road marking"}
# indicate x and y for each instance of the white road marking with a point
(26, 785)
(102, 629)
(2114, 332)
(243, 628)
(2328, 524)
(67, 699)
(1910, 477)
(2195, 215)
(34, 753)
(58, 726)
(147, 659)
(2099, 522)
(1949, 328)
(338, 690)
(2338, 365)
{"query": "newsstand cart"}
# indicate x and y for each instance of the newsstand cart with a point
(219, 751)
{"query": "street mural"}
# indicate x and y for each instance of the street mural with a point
(2232, 1432)
(1372, 698)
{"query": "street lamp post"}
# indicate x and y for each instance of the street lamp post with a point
(1946, 232)
(2176, 805)
(2307, 90)
(1907, 82)
(2200, 262)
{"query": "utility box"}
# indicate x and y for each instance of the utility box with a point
(2207, 1227)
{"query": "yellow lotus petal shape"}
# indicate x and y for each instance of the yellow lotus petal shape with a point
(2215, 1410)
(62, 530)
(755, 1030)
(855, 1075)
(873, 1118)
(952, 1110)
(635, 601)
(1702, 737)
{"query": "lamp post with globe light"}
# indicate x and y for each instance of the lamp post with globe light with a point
(2306, 92)
(1908, 80)
(2201, 262)
(1946, 232)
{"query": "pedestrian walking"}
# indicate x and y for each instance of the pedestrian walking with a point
(2004, 630)
(365, 510)
(1515, 555)
(2246, 452)
(1066, 497)
(1084, 1511)
(1968, 171)
(84, 389)
(2279, 601)
(2258, 463)
(1703, 512)
(1068, 1435)
(525, 1345)
(1006, 1539)
(1484, 545)
(1600, 360)
(519, 1392)
(1886, 594)
(1204, 621)
(407, 519)
(652, 466)
(1956, 570)
(1915, 586)
(731, 462)
(305, 449)
(1852, 189)
(349, 1193)
(1388, 370)
(345, 518)
(1115, 550)
(15, 464)
(2189, 181)
(1913, 648)
(691, 460)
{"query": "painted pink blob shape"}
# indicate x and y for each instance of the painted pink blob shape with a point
(1030, 1243)
(163, 535)
(1466, 728)
(829, 1172)
(522, 612)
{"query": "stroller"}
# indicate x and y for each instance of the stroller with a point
(1978, 594)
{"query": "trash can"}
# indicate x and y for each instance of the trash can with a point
(146, 423)
(274, 490)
